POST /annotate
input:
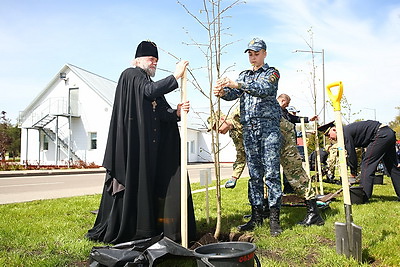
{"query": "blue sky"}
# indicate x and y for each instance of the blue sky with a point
(361, 41)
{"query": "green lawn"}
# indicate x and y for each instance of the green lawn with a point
(51, 232)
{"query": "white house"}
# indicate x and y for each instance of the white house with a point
(68, 123)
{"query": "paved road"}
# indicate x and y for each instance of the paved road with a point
(35, 185)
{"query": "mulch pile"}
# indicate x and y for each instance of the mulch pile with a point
(292, 200)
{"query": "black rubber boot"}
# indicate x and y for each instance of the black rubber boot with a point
(265, 212)
(274, 222)
(255, 220)
(312, 217)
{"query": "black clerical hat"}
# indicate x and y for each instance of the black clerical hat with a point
(326, 127)
(146, 48)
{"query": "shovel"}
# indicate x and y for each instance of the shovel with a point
(331, 195)
(348, 235)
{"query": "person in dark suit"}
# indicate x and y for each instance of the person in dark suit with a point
(379, 142)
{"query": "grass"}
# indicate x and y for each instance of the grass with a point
(51, 232)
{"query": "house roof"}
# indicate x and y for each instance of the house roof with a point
(104, 87)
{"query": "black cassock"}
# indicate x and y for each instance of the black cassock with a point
(141, 196)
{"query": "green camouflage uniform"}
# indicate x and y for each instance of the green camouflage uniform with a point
(333, 158)
(236, 134)
(292, 164)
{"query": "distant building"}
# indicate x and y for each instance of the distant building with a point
(68, 123)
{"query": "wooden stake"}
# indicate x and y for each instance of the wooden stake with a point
(184, 184)
(304, 137)
(307, 163)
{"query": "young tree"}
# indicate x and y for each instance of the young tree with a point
(5, 139)
(346, 110)
(316, 138)
(14, 148)
(213, 13)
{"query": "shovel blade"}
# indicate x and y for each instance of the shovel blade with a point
(348, 240)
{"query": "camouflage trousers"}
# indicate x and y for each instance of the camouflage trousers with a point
(240, 161)
(292, 164)
(262, 142)
(333, 159)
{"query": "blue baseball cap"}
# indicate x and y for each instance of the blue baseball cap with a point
(256, 45)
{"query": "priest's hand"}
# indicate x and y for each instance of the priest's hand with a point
(185, 106)
(180, 68)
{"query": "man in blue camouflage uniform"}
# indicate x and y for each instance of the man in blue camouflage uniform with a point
(260, 115)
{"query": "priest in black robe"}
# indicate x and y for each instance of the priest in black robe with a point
(141, 196)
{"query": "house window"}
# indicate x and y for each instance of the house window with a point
(45, 142)
(93, 140)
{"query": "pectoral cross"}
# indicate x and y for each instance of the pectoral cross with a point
(154, 103)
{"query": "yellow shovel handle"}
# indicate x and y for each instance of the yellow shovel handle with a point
(335, 98)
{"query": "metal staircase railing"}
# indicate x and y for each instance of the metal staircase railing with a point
(52, 135)
(43, 121)
(43, 117)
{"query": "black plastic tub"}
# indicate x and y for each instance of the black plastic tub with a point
(226, 254)
(378, 179)
(357, 195)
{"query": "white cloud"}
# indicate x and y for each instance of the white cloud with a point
(363, 52)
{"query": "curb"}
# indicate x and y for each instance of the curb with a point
(20, 173)
(49, 172)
